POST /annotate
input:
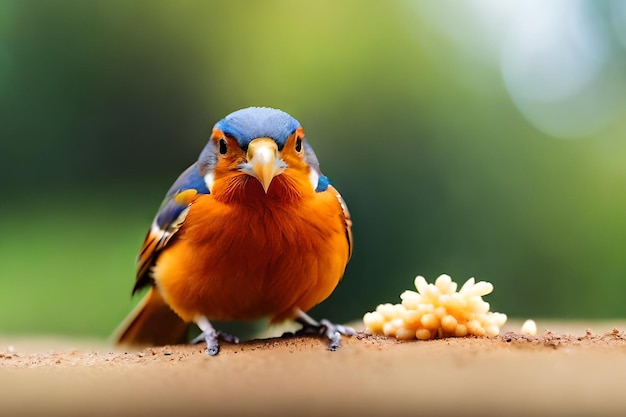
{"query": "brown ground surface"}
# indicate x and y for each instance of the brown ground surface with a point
(571, 369)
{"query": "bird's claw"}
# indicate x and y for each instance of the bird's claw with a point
(324, 327)
(212, 338)
(334, 331)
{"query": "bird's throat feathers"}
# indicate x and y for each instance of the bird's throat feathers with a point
(240, 188)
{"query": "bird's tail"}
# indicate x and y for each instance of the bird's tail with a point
(151, 323)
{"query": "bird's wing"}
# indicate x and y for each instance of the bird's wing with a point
(168, 220)
(346, 217)
(324, 185)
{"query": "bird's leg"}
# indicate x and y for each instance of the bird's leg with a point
(323, 328)
(211, 336)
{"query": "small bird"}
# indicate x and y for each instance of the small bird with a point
(253, 229)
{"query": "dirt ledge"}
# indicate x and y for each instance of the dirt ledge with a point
(556, 373)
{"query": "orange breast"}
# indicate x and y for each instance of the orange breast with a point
(261, 257)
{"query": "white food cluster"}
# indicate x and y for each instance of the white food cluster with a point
(529, 327)
(436, 311)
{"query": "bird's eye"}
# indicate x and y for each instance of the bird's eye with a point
(223, 146)
(298, 145)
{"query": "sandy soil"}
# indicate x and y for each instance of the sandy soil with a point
(575, 369)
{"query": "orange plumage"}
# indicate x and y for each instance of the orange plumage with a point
(255, 230)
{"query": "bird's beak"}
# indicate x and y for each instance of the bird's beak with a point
(263, 161)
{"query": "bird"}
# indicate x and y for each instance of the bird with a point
(251, 230)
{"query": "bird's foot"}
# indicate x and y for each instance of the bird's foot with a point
(212, 337)
(322, 328)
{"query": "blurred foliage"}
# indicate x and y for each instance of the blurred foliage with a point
(103, 103)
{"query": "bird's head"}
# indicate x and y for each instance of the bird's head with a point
(261, 144)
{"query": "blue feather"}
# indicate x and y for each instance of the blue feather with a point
(168, 213)
(322, 184)
(258, 122)
(191, 178)
(170, 209)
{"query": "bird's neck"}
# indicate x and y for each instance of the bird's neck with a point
(285, 188)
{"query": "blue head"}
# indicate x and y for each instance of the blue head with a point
(257, 122)
(244, 127)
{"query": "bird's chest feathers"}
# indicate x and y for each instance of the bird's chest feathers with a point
(288, 218)
(264, 237)
(247, 261)
(261, 256)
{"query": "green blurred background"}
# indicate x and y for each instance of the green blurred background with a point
(477, 138)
